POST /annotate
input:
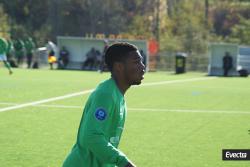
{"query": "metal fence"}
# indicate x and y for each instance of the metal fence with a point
(195, 62)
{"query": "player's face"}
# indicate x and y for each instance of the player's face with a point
(134, 69)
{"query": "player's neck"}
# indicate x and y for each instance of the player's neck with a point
(120, 83)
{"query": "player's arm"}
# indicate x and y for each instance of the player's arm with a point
(96, 125)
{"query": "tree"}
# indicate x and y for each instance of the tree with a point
(173, 22)
(4, 26)
(185, 31)
(206, 11)
(241, 32)
(25, 16)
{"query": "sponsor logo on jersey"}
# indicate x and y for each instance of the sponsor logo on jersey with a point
(100, 114)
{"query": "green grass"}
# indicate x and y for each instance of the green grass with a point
(41, 136)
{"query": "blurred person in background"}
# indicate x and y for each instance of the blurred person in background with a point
(63, 59)
(51, 59)
(19, 51)
(51, 52)
(102, 61)
(89, 63)
(3, 51)
(11, 53)
(227, 63)
(30, 47)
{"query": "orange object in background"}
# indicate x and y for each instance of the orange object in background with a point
(51, 59)
(153, 48)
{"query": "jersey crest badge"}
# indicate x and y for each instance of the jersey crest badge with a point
(100, 114)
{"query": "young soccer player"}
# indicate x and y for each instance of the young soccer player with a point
(104, 114)
(3, 50)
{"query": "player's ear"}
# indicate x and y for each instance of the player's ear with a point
(118, 66)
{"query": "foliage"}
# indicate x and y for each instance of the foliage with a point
(185, 30)
(179, 25)
(241, 32)
(4, 26)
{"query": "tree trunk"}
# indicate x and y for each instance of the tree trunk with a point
(206, 12)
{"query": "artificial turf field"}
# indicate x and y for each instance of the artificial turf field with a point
(173, 120)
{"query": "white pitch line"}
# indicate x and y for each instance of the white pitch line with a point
(188, 110)
(88, 91)
(151, 109)
(157, 109)
(59, 106)
(45, 100)
(178, 81)
(148, 109)
(43, 105)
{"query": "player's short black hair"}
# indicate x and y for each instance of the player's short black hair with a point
(118, 52)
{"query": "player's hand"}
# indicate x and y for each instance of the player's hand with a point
(130, 165)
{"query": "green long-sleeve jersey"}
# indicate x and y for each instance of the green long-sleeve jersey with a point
(100, 130)
(3, 46)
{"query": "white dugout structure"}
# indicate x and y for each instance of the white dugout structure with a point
(79, 46)
(239, 54)
(243, 59)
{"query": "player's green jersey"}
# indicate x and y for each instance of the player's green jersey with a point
(100, 130)
(18, 46)
(3, 46)
(9, 46)
(29, 45)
